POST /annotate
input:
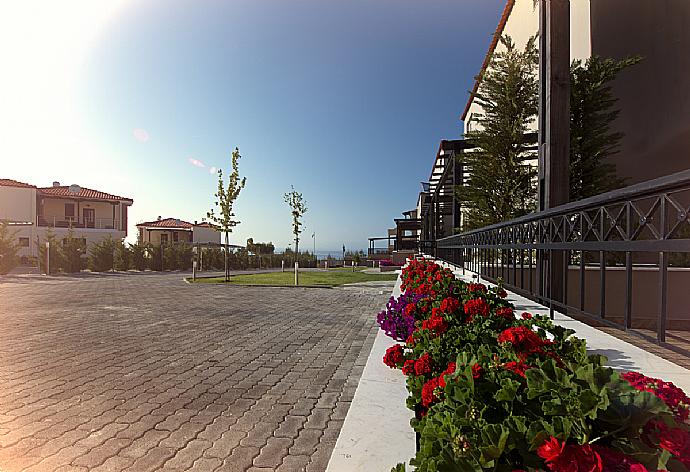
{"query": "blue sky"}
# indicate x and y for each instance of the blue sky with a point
(346, 101)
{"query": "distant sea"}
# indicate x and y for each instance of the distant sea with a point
(323, 254)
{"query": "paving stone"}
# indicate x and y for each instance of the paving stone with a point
(306, 442)
(272, 454)
(240, 459)
(294, 463)
(156, 374)
(290, 427)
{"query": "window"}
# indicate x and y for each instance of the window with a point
(69, 210)
(164, 239)
(23, 242)
(176, 236)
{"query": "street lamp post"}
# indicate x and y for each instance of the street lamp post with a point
(316, 261)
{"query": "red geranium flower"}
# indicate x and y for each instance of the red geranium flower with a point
(505, 312)
(550, 449)
(408, 367)
(472, 288)
(614, 461)
(476, 306)
(393, 356)
(676, 441)
(526, 316)
(422, 366)
(449, 370)
(477, 371)
(428, 394)
(560, 457)
(517, 367)
(435, 324)
(449, 305)
(524, 340)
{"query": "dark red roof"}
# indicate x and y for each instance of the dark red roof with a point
(174, 223)
(487, 59)
(14, 183)
(168, 223)
(84, 193)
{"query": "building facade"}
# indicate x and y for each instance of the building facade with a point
(652, 95)
(174, 230)
(34, 213)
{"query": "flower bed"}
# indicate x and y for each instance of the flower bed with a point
(495, 390)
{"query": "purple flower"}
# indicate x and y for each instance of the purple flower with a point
(393, 320)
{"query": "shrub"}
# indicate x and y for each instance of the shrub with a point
(55, 257)
(123, 256)
(73, 249)
(496, 391)
(155, 256)
(137, 256)
(8, 249)
(101, 257)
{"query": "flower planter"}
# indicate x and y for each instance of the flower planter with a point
(495, 390)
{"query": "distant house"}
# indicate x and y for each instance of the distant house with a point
(32, 212)
(173, 230)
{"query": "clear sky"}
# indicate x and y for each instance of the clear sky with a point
(345, 100)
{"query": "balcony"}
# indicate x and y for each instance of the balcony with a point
(76, 223)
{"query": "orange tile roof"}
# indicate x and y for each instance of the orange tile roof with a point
(174, 223)
(168, 223)
(14, 183)
(487, 59)
(84, 193)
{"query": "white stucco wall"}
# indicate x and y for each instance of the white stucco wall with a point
(18, 204)
(205, 235)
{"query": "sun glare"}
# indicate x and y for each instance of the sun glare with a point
(43, 45)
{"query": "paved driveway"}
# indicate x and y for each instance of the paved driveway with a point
(144, 372)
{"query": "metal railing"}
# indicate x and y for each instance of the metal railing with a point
(78, 223)
(644, 225)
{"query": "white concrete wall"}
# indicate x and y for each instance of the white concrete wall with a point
(18, 204)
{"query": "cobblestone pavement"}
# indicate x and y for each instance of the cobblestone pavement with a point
(144, 372)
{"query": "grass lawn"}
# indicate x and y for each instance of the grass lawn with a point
(329, 278)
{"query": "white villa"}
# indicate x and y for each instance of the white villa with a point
(33, 211)
(173, 230)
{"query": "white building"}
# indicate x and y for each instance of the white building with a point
(173, 230)
(32, 212)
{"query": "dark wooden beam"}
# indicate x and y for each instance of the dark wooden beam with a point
(554, 129)
(554, 103)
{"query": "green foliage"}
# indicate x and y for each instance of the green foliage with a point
(101, 255)
(260, 248)
(123, 256)
(501, 186)
(73, 249)
(155, 256)
(592, 112)
(223, 216)
(177, 256)
(356, 256)
(488, 414)
(298, 207)
(56, 256)
(137, 256)
(8, 249)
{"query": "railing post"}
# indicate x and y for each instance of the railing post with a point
(663, 276)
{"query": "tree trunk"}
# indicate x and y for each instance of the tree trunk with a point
(296, 249)
(227, 243)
